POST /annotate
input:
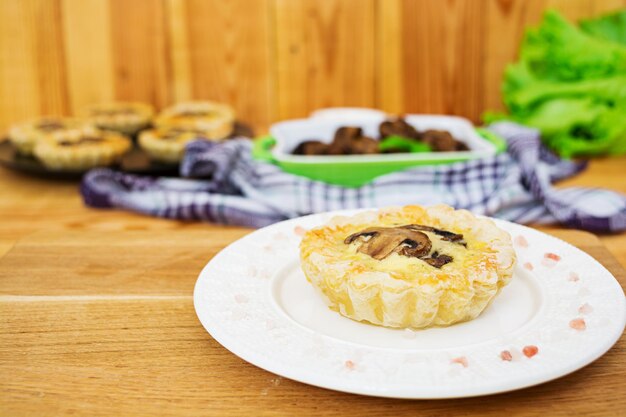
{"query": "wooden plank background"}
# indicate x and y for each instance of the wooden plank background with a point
(271, 59)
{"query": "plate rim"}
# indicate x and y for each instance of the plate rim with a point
(333, 383)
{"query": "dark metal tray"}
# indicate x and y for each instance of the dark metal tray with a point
(136, 161)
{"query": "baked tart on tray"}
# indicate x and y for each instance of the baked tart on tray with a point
(80, 150)
(216, 120)
(127, 118)
(24, 136)
(409, 267)
(168, 144)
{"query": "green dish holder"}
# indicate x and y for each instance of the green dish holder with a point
(360, 170)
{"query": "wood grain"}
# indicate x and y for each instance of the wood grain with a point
(179, 50)
(139, 47)
(324, 55)
(147, 354)
(32, 67)
(229, 55)
(389, 56)
(147, 357)
(111, 262)
(271, 59)
(49, 51)
(607, 6)
(443, 50)
(19, 98)
(506, 22)
(89, 57)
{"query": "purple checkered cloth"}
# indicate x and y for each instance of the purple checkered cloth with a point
(515, 186)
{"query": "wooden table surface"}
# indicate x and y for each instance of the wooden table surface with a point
(97, 318)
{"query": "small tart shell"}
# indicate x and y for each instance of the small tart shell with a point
(25, 135)
(165, 146)
(127, 118)
(406, 292)
(215, 119)
(81, 156)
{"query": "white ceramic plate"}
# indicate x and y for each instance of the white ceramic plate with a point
(561, 305)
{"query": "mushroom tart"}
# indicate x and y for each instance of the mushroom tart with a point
(123, 117)
(216, 120)
(409, 267)
(168, 145)
(80, 150)
(24, 136)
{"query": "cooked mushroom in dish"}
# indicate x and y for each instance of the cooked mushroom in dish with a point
(395, 136)
(348, 141)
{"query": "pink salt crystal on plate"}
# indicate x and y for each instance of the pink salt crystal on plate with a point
(585, 309)
(350, 365)
(573, 276)
(578, 324)
(505, 355)
(240, 298)
(521, 241)
(461, 360)
(299, 230)
(529, 266)
(550, 259)
(530, 351)
(553, 256)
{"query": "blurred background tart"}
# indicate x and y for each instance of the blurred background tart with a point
(81, 149)
(127, 118)
(25, 135)
(216, 120)
(168, 144)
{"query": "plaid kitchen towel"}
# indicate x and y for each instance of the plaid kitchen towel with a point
(515, 186)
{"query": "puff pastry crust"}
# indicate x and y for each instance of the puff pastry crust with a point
(25, 135)
(127, 118)
(168, 145)
(403, 291)
(216, 120)
(80, 150)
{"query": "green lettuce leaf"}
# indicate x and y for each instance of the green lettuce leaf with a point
(611, 27)
(570, 84)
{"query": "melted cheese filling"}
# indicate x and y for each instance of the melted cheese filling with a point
(402, 264)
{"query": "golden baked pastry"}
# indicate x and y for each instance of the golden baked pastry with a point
(125, 118)
(409, 267)
(80, 150)
(216, 120)
(168, 145)
(24, 135)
